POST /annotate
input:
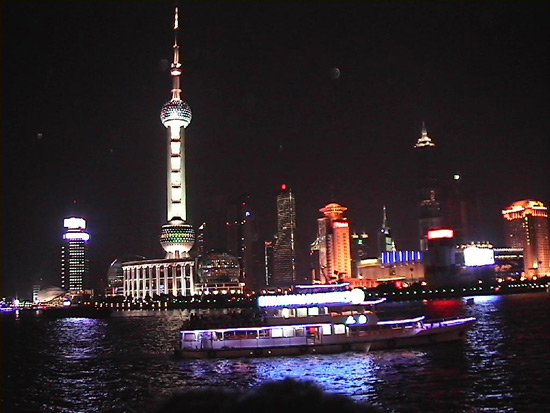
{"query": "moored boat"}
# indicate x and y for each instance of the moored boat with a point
(314, 319)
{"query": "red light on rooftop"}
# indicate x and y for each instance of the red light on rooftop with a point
(441, 233)
(283, 187)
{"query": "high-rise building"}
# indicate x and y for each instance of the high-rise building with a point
(428, 187)
(75, 264)
(526, 226)
(175, 273)
(284, 250)
(359, 250)
(333, 244)
(385, 239)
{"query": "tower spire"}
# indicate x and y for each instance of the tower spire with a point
(175, 69)
(424, 139)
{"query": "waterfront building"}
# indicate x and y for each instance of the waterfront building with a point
(428, 187)
(526, 226)
(333, 244)
(395, 267)
(75, 262)
(218, 272)
(508, 263)
(385, 239)
(440, 258)
(284, 250)
(175, 273)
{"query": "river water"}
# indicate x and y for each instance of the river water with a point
(124, 363)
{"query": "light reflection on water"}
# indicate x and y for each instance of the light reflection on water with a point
(124, 363)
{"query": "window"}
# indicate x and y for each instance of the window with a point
(263, 334)
(189, 337)
(288, 332)
(299, 331)
(276, 332)
(339, 329)
(326, 330)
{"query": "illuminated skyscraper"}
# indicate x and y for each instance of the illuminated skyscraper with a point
(75, 266)
(333, 244)
(284, 255)
(174, 274)
(526, 226)
(385, 240)
(428, 189)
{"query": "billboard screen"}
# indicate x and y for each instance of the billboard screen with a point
(475, 256)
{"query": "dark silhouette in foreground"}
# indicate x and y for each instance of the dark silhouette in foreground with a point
(286, 396)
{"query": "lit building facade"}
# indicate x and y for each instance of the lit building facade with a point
(333, 244)
(428, 187)
(526, 226)
(218, 272)
(175, 273)
(284, 250)
(397, 267)
(75, 263)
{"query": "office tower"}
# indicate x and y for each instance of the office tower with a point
(173, 275)
(526, 226)
(284, 255)
(75, 266)
(460, 210)
(333, 241)
(268, 264)
(428, 187)
(243, 241)
(359, 250)
(385, 239)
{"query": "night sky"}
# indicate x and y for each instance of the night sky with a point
(83, 84)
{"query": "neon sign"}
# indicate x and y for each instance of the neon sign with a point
(441, 233)
(74, 223)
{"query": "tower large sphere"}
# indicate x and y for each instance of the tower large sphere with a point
(176, 110)
(177, 238)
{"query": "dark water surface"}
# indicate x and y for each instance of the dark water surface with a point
(124, 364)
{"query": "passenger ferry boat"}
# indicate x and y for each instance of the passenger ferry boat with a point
(320, 319)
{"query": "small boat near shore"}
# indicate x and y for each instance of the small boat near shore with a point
(314, 319)
(79, 311)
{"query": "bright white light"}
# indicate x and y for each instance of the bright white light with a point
(74, 223)
(355, 296)
(175, 163)
(175, 147)
(76, 236)
(475, 256)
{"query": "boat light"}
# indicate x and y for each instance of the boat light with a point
(355, 296)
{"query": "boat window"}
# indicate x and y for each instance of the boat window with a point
(218, 335)
(326, 330)
(276, 332)
(252, 334)
(288, 332)
(229, 335)
(299, 331)
(285, 312)
(339, 329)
(301, 312)
(263, 334)
(313, 311)
(189, 337)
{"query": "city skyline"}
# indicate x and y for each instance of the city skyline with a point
(329, 99)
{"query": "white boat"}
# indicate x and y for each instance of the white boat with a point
(313, 319)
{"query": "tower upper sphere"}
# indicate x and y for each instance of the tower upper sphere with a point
(175, 111)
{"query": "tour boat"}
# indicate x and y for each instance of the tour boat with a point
(318, 319)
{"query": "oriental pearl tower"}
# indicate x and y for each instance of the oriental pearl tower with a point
(177, 236)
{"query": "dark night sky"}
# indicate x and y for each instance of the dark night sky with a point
(88, 77)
